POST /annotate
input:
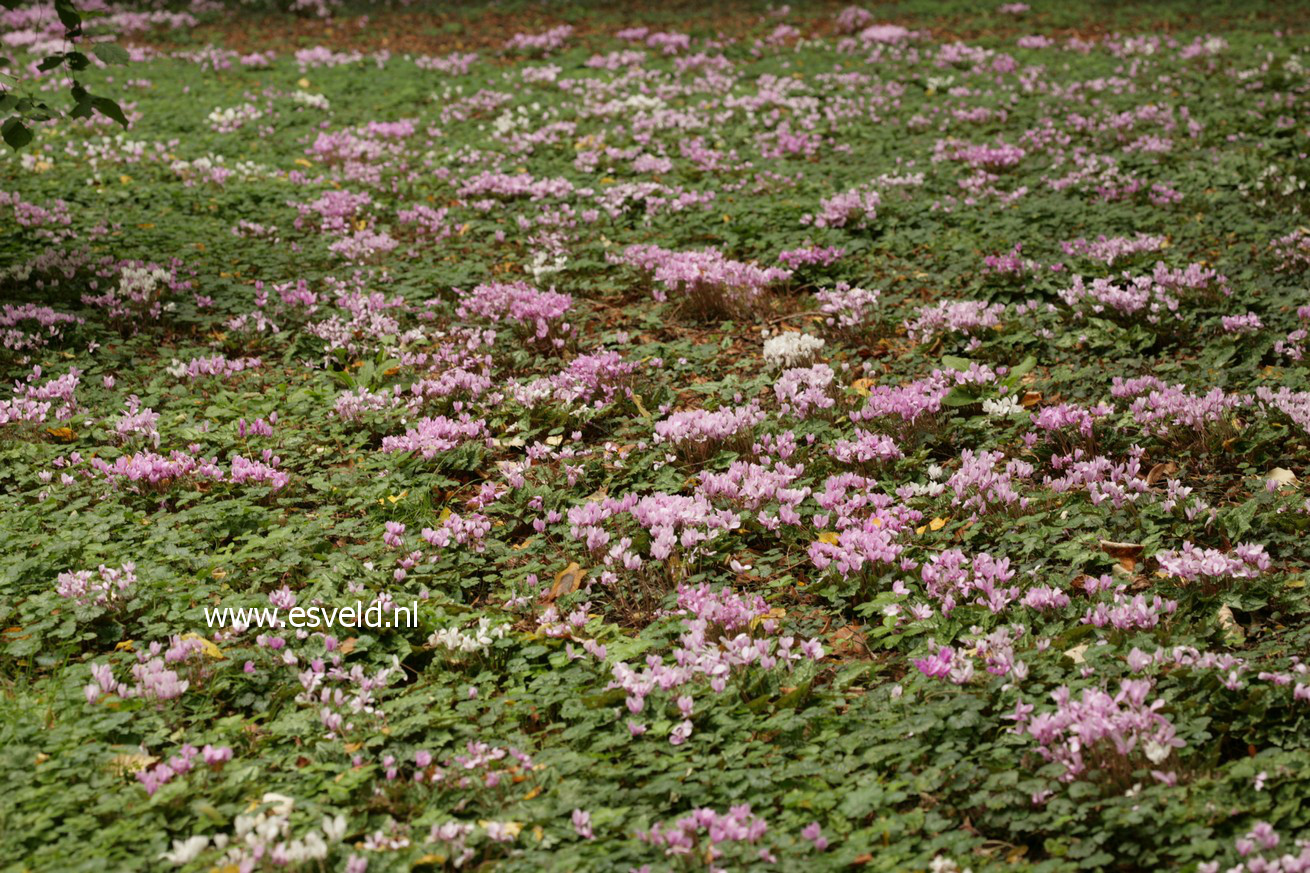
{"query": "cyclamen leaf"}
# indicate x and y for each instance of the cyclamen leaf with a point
(959, 396)
(1023, 368)
(961, 364)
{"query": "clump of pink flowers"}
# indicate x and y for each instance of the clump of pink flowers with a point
(1293, 250)
(431, 436)
(47, 326)
(105, 587)
(264, 472)
(719, 642)
(155, 471)
(152, 677)
(698, 433)
(954, 316)
(1107, 250)
(1211, 567)
(1114, 734)
(1257, 848)
(820, 255)
(154, 778)
(847, 309)
(705, 833)
(803, 391)
(540, 313)
(707, 283)
(215, 365)
(32, 402)
(540, 43)
(856, 208)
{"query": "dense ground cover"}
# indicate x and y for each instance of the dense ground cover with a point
(813, 438)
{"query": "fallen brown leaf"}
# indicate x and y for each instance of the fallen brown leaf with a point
(567, 581)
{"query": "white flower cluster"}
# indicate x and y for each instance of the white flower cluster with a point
(214, 168)
(1002, 408)
(234, 117)
(543, 265)
(933, 488)
(478, 639)
(313, 101)
(265, 834)
(139, 283)
(787, 350)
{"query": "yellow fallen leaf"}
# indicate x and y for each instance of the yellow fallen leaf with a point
(1233, 633)
(937, 524)
(207, 646)
(777, 614)
(62, 434)
(830, 537)
(302, 83)
(1281, 477)
(126, 765)
(124, 646)
(510, 827)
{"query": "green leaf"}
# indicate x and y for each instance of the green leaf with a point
(959, 397)
(961, 364)
(16, 134)
(109, 108)
(69, 17)
(111, 53)
(1023, 368)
